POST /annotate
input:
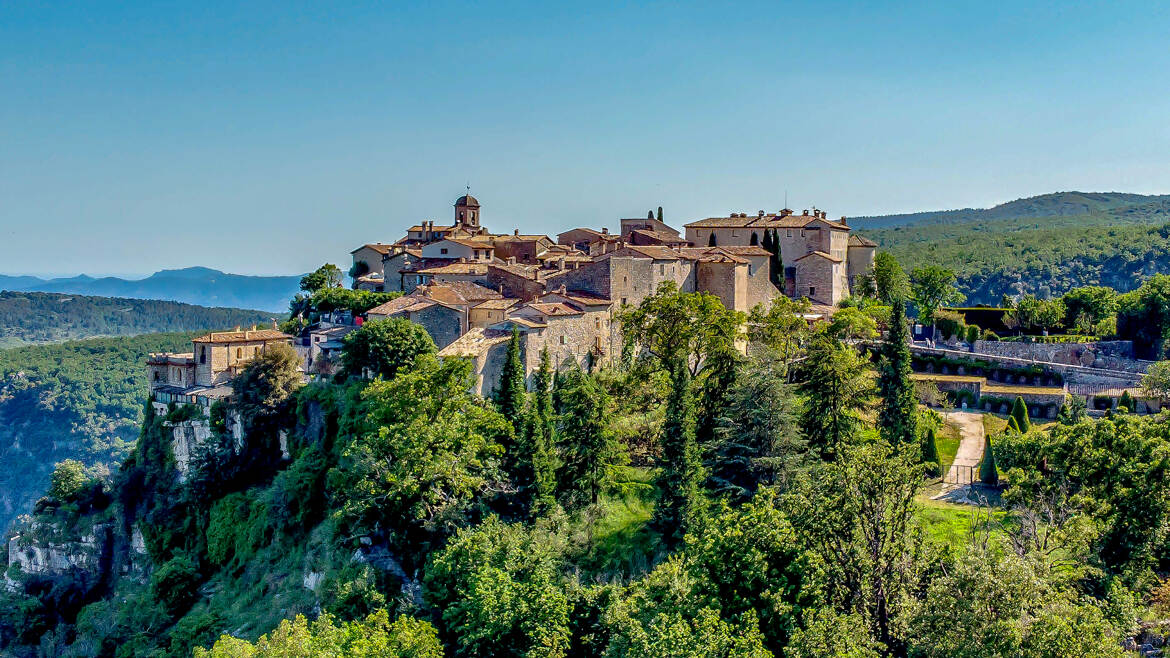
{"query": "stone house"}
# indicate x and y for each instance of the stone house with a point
(522, 282)
(465, 249)
(650, 224)
(372, 255)
(444, 323)
(221, 355)
(428, 271)
(519, 248)
(587, 240)
(825, 278)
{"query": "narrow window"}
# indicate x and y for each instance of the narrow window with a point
(812, 291)
(563, 340)
(239, 353)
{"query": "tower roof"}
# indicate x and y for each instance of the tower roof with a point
(467, 200)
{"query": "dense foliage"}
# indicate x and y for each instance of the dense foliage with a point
(690, 501)
(80, 400)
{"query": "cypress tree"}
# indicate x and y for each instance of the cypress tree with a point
(1013, 425)
(1020, 413)
(987, 471)
(510, 391)
(542, 438)
(680, 506)
(1126, 402)
(930, 452)
(897, 419)
(589, 447)
(660, 213)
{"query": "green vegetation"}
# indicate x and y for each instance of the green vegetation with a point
(41, 317)
(690, 501)
(1116, 241)
(78, 400)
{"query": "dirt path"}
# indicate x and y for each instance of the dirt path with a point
(966, 465)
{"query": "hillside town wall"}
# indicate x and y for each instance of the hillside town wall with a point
(1109, 355)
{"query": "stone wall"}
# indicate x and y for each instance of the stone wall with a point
(1108, 355)
(442, 323)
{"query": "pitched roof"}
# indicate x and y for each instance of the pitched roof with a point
(246, 336)
(522, 271)
(436, 229)
(821, 254)
(378, 247)
(768, 220)
(475, 342)
(860, 241)
(498, 304)
(450, 268)
(475, 243)
(551, 308)
(750, 250)
(580, 297)
(408, 303)
(458, 292)
(661, 236)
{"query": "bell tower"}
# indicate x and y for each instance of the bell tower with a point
(467, 212)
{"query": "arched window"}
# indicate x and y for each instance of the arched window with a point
(711, 242)
(239, 352)
(755, 239)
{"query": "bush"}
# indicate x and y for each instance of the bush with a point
(972, 333)
(67, 480)
(990, 335)
(949, 323)
(384, 347)
(174, 584)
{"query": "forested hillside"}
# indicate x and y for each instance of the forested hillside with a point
(686, 502)
(80, 399)
(37, 317)
(1014, 250)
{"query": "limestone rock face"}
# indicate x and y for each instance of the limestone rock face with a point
(187, 436)
(34, 552)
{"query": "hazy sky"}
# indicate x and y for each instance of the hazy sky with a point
(268, 139)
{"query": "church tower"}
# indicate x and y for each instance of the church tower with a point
(467, 213)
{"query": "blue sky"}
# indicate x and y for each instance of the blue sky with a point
(269, 138)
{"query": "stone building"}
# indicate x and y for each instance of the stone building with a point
(203, 375)
(824, 278)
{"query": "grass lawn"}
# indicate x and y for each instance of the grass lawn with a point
(949, 524)
(946, 440)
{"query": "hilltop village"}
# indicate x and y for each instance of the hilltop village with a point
(470, 288)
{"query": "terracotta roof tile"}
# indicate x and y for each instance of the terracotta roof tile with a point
(243, 336)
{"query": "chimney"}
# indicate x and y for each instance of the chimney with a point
(806, 212)
(761, 213)
(843, 221)
(511, 260)
(561, 263)
(274, 325)
(604, 231)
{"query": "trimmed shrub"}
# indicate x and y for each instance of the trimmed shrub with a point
(987, 470)
(1020, 413)
(972, 333)
(949, 323)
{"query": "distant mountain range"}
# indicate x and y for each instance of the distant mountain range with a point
(191, 285)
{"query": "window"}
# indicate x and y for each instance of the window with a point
(812, 291)
(202, 355)
(661, 269)
(624, 301)
(564, 340)
(157, 375)
(443, 250)
(239, 352)
(789, 233)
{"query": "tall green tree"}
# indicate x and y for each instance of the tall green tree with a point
(589, 449)
(681, 504)
(324, 277)
(836, 390)
(660, 213)
(1020, 413)
(897, 418)
(383, 348)
(890, 280)
(988, 473)
(542, 437)
(933, 287)
(424, 460)
(780, 327)
(687, 335)
(930, 452)
(510, 392)
(757, 439)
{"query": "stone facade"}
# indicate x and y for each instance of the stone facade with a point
(799, 236)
